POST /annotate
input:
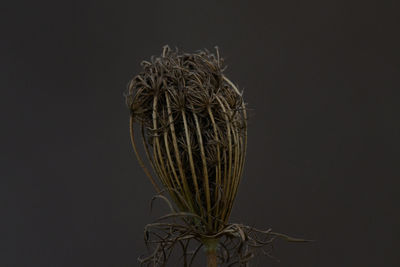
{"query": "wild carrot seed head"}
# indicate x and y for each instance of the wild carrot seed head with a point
(193, 126)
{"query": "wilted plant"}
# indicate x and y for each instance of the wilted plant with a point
(193, 127)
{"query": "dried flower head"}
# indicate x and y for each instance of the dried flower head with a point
(193, 122)
(193, 128)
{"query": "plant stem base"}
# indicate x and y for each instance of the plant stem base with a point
(211, 251)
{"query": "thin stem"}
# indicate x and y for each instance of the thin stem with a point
(146, 171)
(212, 258)
(211, 246)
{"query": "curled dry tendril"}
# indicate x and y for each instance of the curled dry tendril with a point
(237, 244)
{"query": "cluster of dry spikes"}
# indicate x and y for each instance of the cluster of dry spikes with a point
(193, 128)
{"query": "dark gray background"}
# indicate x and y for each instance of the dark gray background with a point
(323, 152)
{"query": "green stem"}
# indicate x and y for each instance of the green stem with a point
(211, 251)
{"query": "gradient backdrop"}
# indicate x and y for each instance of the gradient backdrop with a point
(321, 79)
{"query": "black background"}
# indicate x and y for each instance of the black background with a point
(320, 78)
